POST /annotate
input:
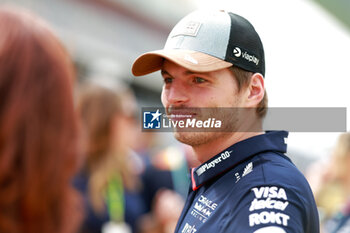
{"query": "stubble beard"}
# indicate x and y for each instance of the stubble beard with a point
(195, 139)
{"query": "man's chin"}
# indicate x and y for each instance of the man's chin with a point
(195, 138)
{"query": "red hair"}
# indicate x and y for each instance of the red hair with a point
(38, 130)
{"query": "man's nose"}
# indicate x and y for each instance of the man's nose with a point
(177, 94)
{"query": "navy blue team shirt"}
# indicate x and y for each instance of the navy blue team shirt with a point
(251, 186)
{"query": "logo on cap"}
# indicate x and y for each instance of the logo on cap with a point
(237, 52)
(190, 28)
(190, 59)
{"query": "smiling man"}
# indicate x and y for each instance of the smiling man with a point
(246, 183)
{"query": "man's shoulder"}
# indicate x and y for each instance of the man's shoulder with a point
(271, 169)
(269, 165)
(271, 190)
(278, 169)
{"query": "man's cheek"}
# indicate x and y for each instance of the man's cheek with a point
(164, 99)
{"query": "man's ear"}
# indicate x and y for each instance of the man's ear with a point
(256, 90)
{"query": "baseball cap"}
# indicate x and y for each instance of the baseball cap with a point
(205, 41)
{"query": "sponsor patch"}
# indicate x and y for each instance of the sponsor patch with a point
(189, 229)
(271, 192)
(203, 208)
(268, 217)
(269, 198)
(268, 204)
(213, 163)
(239, 52)
(248, 169)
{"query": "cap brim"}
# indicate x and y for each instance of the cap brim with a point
(191, 60)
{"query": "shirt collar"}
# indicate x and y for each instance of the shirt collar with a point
(237, 153)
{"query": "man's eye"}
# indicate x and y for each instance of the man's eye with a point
(168, 80)
(199, 80)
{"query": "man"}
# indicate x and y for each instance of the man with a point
(245, 183)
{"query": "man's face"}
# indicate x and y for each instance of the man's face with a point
(185, 89)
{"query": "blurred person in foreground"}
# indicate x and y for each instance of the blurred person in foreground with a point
(108, 181)
(38, 130)
(336, 177)
(245, 183)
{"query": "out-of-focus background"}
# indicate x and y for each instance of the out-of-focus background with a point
(307, 49)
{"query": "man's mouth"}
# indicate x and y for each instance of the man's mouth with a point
(177, 114)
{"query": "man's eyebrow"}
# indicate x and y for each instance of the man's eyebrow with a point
(163, 72)
(186, 72)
